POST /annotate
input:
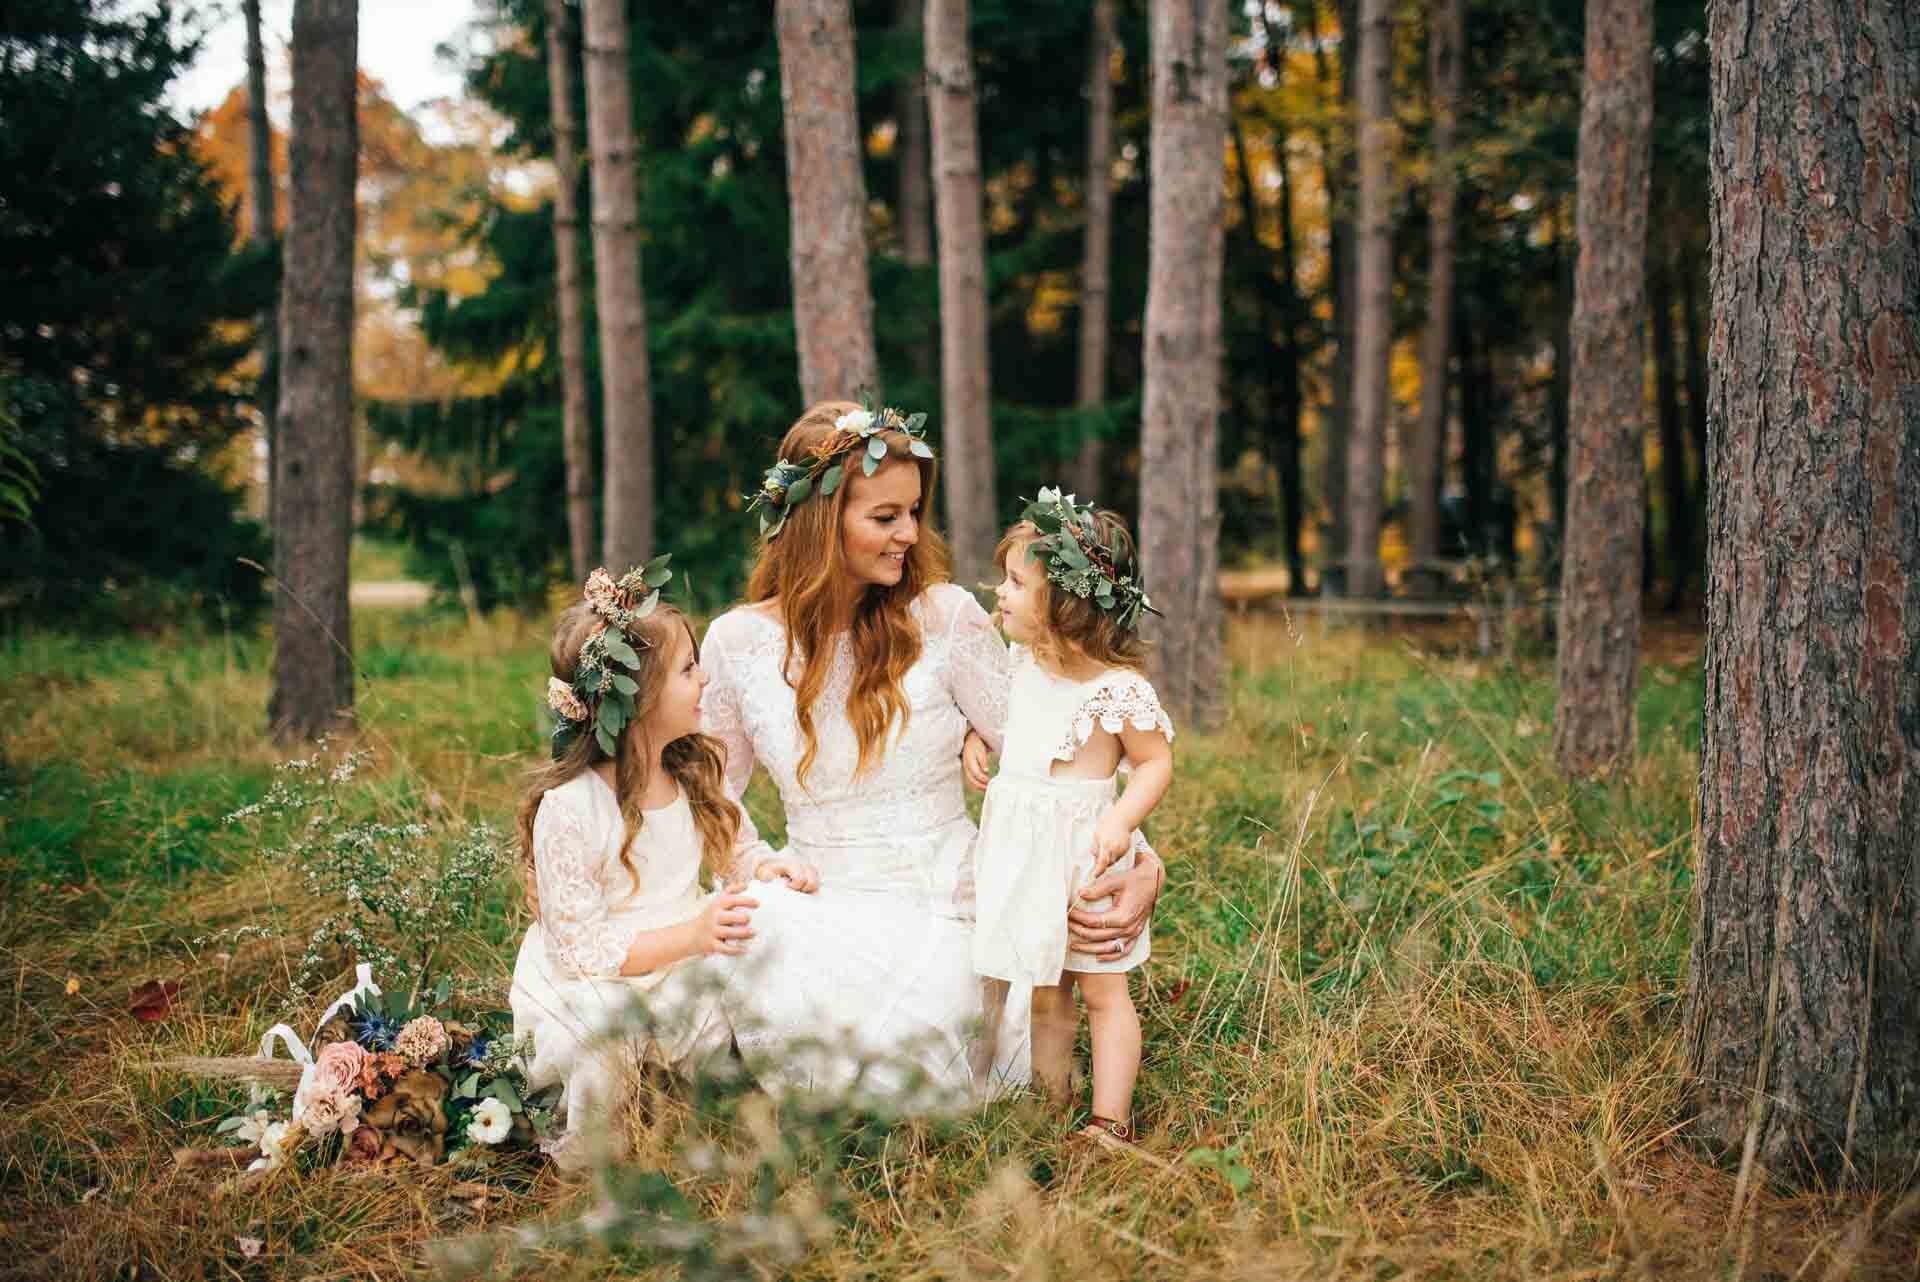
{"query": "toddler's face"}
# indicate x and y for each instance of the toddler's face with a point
(1017, 600)
(677, 713)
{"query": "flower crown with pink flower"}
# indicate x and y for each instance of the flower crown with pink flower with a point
(600, 697)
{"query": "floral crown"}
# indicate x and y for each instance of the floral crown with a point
(1069, 549)
(601, 696)
(787, 485)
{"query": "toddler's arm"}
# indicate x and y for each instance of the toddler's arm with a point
(1151, 758)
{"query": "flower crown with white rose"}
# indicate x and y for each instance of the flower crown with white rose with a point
(1067, 545)
(787, 485)
(600, 697)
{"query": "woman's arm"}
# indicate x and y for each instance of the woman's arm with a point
(1111, 933)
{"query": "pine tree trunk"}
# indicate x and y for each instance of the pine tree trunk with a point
(1097, 274)
(1287, 452)
(313, 464)
(914, 199)
(1373, 325)
(626, 395)
(827, 200)
(262, 227)
(1673, 433)
(1599, 631)
(1179, 481)
(966, 457)
(1803, 1010)
(1427, 460)
(1696, 367)
(1336, 153)
(1559, 393)
(576, 432)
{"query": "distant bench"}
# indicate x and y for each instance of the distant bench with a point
(1265, 590)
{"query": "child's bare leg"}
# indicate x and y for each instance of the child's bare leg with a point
(1054, 1023)
(1116, 1042)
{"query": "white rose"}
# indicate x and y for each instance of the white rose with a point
(490, 1122)
(854, 421)
(1048, 494)
(273, 1149)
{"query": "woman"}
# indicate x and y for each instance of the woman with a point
(854, 675)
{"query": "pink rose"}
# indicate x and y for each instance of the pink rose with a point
(330, 1109)
(339, 1066)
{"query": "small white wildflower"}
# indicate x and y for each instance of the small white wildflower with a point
(490, 1122)
(254, 1129)
(273, 1149)
(854, 421)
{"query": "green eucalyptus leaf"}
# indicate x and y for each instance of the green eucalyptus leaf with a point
(231, 1124)
(620, 651)
(830, 480)
(646, 607)
(502, 1089)
(656, 572)
(921, 449)
(625, 685)
(797, 492)
(777, 526)
(604, 739)
(876, 449)
(869, 465)
(766, 520)
(916, 421)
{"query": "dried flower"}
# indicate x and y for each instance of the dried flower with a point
(364, 1144)
(601, 593)
(338, 1066)
(329, 1109)
(421, 1041)
(562, 699)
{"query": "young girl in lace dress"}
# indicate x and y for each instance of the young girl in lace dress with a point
(628, 952)
(1070, 599)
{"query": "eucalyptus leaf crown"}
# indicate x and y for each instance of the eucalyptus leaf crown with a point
(600, 698)
(789, 484)
(1067, 545)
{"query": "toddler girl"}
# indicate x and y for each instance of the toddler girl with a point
(1070, 600)
(617, 836)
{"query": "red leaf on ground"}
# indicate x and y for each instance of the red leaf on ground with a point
(153, 999)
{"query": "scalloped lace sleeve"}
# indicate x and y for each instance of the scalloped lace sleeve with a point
(978, 670)
(1126, 698)
(573, 904)
(721, 716)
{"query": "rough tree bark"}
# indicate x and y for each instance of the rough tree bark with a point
(626, 392)
(1675, 494)
(1373, 325)
(1803, 1010)
(1426, 461)
(1096, 276)
(1599, 629)
(967, 455)
(576, 432)
(826, 200)
(313, 464)
(914, 199)
(1179, 482)
(262, 226)
(1336, 156)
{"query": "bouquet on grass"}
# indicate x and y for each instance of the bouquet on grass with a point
(387, 1081)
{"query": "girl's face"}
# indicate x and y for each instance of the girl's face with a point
(676, 713)
(1017, 599)
(880, 521)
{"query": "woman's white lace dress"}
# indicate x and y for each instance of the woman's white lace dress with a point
(1036, 830)
(871, 980)
(590, 1024)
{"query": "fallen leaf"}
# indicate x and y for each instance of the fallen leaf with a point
(250, 1246)
(153, 999)
(73, 985)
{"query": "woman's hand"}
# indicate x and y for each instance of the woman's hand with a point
(976, 760)
(1108, 934)
(800, 874)
(724, 925)
(1111, 839)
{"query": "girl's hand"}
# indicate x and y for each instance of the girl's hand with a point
(800, 874)
(976, 761)
(723, 926)
(1111, 839)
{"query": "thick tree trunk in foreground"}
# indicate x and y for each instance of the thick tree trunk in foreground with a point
(313, 461)
(626, 384)
(1179, 482)
(826, 200)
(1804, 1006)
(261, 229)
(576, 431)
(1599, 631)
(966, 457)
(1427, 459)
(1096, 276)
(1373, 325)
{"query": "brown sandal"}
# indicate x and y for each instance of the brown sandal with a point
(1107, 1131)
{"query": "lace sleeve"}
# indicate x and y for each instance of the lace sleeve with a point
(1126, 699)
(720, 714)
(573, 904)
(749, 847)
(978, 668)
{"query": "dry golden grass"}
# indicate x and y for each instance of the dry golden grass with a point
(1411, 1012)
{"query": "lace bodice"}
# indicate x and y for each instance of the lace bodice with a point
(1053, 717)
(590, 905)
(894, 827)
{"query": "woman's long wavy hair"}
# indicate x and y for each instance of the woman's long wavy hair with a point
(805, 569)
(1077, 629)
(695, 760)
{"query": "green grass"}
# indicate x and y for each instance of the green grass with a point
(1411, 1012)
